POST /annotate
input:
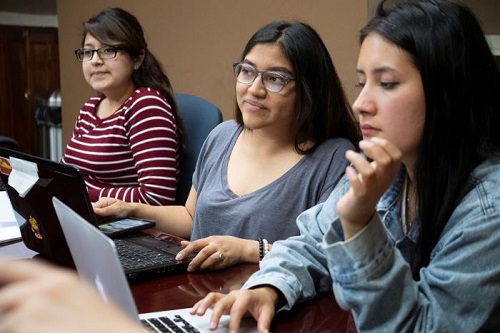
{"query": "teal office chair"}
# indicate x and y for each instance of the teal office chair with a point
(199, 117)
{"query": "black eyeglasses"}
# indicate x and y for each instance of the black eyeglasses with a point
(104, 52)
(272, 80)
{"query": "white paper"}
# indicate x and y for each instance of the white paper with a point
(24, 175)
(9, 230)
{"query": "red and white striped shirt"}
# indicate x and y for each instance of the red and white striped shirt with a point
(132, 155)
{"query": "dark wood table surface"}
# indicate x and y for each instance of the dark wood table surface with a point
(182, 290)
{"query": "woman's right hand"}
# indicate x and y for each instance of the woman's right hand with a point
(217, 252)
(368, 180)
(259, 302)
(112, 207)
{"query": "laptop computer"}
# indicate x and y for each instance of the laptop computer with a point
(99, 265)
(31, 182)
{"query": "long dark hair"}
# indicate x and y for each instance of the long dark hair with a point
(117, 27)
(322, 110)
(462, 98)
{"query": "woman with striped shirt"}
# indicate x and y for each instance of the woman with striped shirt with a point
(126, 140)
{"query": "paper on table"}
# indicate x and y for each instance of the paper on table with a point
(9, 230)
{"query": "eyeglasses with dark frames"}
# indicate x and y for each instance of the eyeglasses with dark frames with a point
(273, 81)
(104, 52)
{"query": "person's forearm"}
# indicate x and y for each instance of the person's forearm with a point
(174, 220)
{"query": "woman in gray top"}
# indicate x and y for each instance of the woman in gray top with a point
(283, 154)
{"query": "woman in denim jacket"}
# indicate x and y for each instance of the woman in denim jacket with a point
(410, 238)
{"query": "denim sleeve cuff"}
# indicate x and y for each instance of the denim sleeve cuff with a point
(279, 282)
(361, 257)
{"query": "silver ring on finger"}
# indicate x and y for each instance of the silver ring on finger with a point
(221, 256)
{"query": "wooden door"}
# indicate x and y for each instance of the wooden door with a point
(29, 67)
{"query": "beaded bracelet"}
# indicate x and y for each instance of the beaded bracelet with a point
(263, 248)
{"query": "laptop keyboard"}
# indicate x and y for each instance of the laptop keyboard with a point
(165, 324)
(133, 256)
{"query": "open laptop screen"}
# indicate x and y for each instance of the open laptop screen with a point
(38, 180)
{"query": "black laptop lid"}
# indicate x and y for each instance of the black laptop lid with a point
(40, 228)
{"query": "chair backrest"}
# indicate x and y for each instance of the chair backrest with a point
(8, 142)
(199, 116)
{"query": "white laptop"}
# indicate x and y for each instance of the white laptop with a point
(96, 260)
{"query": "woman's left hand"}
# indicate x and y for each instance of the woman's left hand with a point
(216, 252)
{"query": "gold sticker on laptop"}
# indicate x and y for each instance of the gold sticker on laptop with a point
(5, 166)
(34, 228)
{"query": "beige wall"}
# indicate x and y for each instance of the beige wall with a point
(487, 11)
(198, 40)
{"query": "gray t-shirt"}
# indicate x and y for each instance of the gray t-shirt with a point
(271, 211)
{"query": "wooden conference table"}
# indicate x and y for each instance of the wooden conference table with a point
(182, 290)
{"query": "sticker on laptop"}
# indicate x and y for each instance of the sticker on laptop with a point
(34, 228)
(5, 166)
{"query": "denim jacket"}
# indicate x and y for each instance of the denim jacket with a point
(459, 291)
